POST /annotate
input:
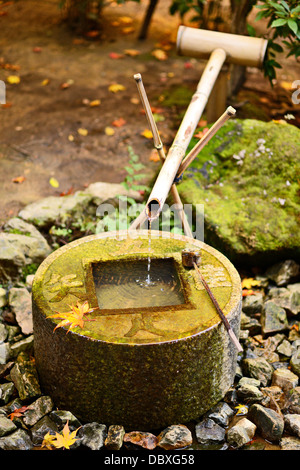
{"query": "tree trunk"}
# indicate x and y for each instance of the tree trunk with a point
(83, 15)
(240, 9)
(147, 19)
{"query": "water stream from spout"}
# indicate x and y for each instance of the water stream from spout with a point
(149, 252)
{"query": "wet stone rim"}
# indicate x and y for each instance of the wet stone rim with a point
(68, 281)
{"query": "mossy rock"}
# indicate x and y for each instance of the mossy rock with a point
(246, 177)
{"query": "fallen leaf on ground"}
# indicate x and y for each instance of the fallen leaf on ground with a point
(83, 132)
(286, 85)
(7, 105)
(92, 34)
(154, 110)
(188, 65)
(115, 87)
(247, 283)
(115, 55)
(147, 133)
(132, 52)
(78, 41)
(126, 19)
(263, 99)
(246, 292)
(154, 157)
(159, 54)
(48, 441)
(241, 410)
(200, 134)
(95, 103)
(74, 317)
(70, 137)
(45, 82)
(8, 66)
(63, 440)
(18, 179)
(53, 182)
(163, 45)
(67, 193)
(13, 79)
(18, 412)
(66, 84)
(109, 131)
(128, 30)
(37, 49)
(119, 122)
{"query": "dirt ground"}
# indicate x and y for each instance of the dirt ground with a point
(61, 73)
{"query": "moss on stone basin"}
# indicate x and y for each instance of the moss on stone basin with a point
(146, 366)
(247, 177)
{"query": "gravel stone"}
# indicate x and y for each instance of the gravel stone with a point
(209, 432)
(269, 423)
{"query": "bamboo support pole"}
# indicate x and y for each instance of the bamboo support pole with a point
(159, 147)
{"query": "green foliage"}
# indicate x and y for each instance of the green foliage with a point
(184, 6)
(133, 169)
(128, 208)
(283, 24)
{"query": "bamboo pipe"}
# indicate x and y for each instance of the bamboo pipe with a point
(230, 111)
(159, 147)
(184, 134)
(221, 314)
(241, 50)
(192, 259)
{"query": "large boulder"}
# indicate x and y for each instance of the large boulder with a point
(56, 210)
(246, 177)
(21, 244)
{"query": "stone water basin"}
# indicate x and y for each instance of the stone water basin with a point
(156, 353)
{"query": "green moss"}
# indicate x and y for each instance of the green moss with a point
(19, 232)
(253, 207)
(29, 269)
(178, 96)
